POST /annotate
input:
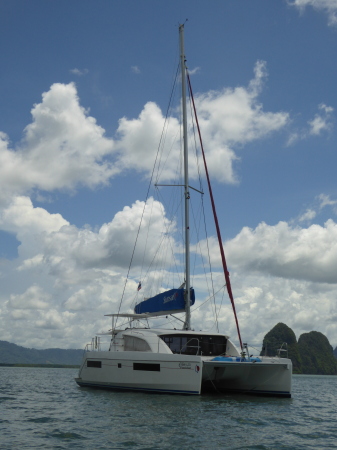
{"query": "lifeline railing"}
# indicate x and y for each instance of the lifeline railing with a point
(279, 350)
(95, 344)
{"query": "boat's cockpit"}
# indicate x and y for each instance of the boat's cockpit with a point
(166, 341)
(203, 345)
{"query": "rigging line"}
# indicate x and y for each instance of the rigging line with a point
(176, 274)
(173, 212)
(210, 265)
(153, 266)
(208, 299)
(214, 309)
(147, 195)
(170, 204)
(161, 145)
(197, 228)
(128, 321)
(161, 165)
(226, 273)
(165, 127)
(256, 349)
(218, 311)
(156, 264)
(166, 236)
(204, 217)
(172, 215)
(154, 257)
(195, 146)
(167, 319)
(220, 306)
(173, 90)
(202, 258)
(145, 246)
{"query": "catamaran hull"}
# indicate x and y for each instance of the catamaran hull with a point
(183, 374)
(272, 377)
(175, 374)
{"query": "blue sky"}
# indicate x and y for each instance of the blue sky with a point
(83, 89)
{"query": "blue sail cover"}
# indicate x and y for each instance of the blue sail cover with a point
(166, 303)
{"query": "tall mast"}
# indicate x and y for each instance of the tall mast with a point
(187, 324)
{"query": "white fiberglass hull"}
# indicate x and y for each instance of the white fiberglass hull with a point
(142, 371)
(184, 374)
(269, 376)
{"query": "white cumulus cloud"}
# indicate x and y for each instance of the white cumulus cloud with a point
(33, 298)
(307, 216)
(228, 118)
(289, 252)
(61, 148)
(321, 121)
(325, 200)
(327, 6)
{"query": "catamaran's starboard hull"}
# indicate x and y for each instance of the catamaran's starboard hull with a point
(142, 371)
(271, 376)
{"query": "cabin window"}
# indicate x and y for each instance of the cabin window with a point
(147, 366)
(213, 345)
(185, 345)
(97, 364)
(195, 344)
(135, 344)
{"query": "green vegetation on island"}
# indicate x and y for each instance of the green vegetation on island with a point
(317, 354)
(312, 354)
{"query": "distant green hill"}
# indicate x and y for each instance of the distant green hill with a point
(312, 354)
(15, 354)
(273, 341)
(317, 354)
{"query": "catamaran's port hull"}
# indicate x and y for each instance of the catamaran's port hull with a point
(269, 378)
(140, 371)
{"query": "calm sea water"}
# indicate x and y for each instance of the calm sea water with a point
(44, 408)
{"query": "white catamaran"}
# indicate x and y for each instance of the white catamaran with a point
(181, 361)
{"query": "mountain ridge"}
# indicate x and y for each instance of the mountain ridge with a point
(311, 354)
(15, 354)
